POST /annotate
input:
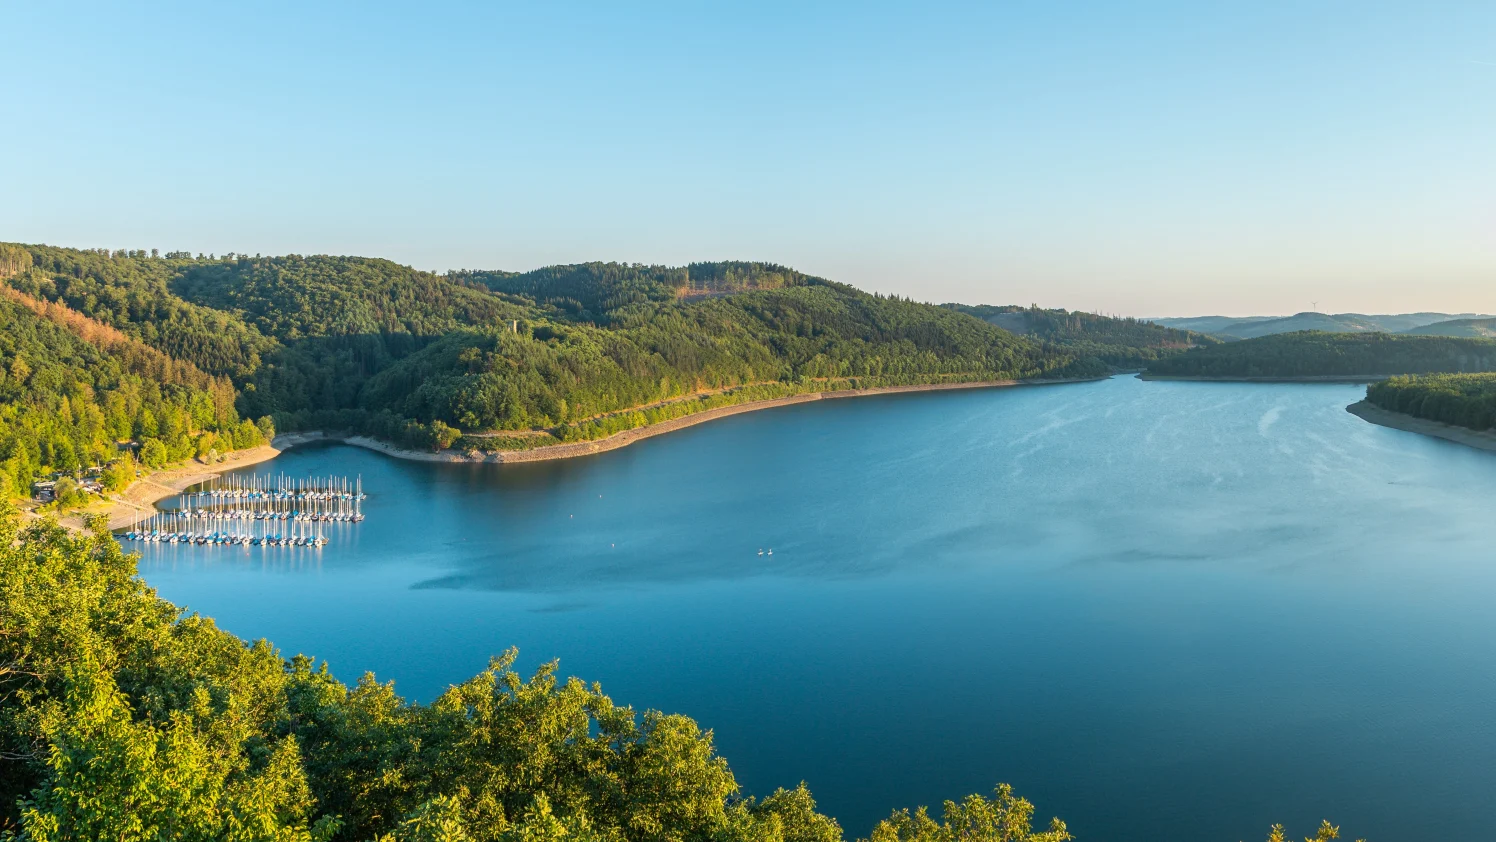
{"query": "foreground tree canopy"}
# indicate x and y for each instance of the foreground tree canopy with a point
(122, 719)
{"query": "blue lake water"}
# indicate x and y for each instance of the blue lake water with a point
(1159, 610)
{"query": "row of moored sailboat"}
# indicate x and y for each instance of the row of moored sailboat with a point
(257, 512)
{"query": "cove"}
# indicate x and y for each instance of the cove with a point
(1160, 610)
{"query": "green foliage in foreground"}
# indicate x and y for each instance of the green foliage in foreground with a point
(1325, 833)
(122, 719)
(1314, 354)
(1465, 400)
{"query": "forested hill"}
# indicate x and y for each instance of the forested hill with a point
(1119, 342)
(804, 337)
(294, 297)
(71, 389)
(419, 358)
(132, 293)
(594, 291)
(1315, 354)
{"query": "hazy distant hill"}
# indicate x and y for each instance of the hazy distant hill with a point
(1249, 327)
(1367, 354)
(1484, 327)
(1121, 343)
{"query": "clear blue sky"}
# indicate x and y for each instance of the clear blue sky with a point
(1150, 158)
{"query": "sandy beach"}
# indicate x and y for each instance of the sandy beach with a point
(1367, 411)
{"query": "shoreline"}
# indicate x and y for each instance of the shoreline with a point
(1373, 414)
(139, 500)
(1310, 378)
(628, 437)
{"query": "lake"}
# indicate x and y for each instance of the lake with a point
(1159, 610)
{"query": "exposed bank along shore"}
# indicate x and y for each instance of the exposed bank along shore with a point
(628, 437)
(138, 501)
(1326, 378)
(1368, 411)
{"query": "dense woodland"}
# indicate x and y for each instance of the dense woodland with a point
(416, 358)
(71, 390)
(1314, 354)
(593, 291)
(1465, 400)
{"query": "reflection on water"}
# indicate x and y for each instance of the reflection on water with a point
(1161, 610)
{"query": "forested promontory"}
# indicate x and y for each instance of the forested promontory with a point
(1464, 400)
(1314, 354)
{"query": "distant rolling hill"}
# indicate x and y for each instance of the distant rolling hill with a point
(1310, 354)
(1251, 327)
(1123, 343)
(1483, 327)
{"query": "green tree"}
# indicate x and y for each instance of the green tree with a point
(1325, 833)
(1002, 818)
(120, 473)
(66, 494)
(153, 454)
(442, 435)
(111, 777)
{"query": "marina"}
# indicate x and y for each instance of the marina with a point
(256, 511)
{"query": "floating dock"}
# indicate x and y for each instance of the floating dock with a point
(256, 512)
